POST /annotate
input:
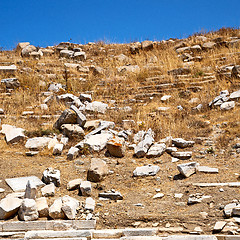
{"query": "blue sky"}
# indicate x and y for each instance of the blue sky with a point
(48, 22)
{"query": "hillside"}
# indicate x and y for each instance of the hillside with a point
(180, 96)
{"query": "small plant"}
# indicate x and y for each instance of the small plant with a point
(210, 150)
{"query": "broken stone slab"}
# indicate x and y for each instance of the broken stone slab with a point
(37, 143)
(42, 207)
(58, 148)
(31, 190)
(85, 188)
(156, 150)
(69, 206)
(97, 142)
(10, 69)
(55, 210)
(229, 184)
(73, 131)
(236, 210)
(85, 97)
(81, 119)
(74, 184)
(28, 210)
(227, 105)
(228, 209)
(73, 153)
(158, 195)
(97, 171)
(103, 125)
(187, 169)
(181, 143)
(51, 175)
(235, 95)
(182, 155)
(48, 190)
(206, 169)
(31, 153)
(196, 198)
(89, 204)
(12, 133)
(68, 234)
(116, 147)
(148, 170)
(19, 184)
(9, 207)
(68, 116)
(113, 195)
(219, 226)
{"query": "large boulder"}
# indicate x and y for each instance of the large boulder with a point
(9, 207)
(97, 171)
(28, 210)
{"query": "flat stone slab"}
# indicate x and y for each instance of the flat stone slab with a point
(19, 184)
(229, 184)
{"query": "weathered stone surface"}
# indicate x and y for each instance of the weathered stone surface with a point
(98, 169)
(93, 124)
(73, 153)
(67, 117)
(55, 210)
(227, 105)
(96, 107)
(148, 170)
(51, 175)
(12, 133)
(22, 45)
(28, 210)
(69, 206)
(187, 169)
(80, 56)
(219, 226)
(181, 143)
(191, 237)
(85, 188)
(11, 83)
(27, 50)
(58, 148)
(19, 184)
(37, 143)
(66, 53)
(139, 232)
(103, 125)
(97, 142)
(74, 184)
(48, 190)
(235, 95)
(228, 209)
(20, 226)
(89, 204)
(81, 119)
(236, 210)
(108, 233)
(147, 45)
(42, 207)
(208, 45)
(156, 150)
(9, 206)
(31, 190)
(116, 147)
(196, 198)
(206, 169)
(113, 195)
(73, 131)
(182, 155)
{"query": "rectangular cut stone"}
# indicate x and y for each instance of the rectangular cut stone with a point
(227, 237)
(193, 237)
(142, 238)
(58, 234)
(108, 233)
(19, 184)
(84, 224)
(229, 184)
(170, 229)
(11, 235)
(59, 225)
(139, 232)
(23, 226)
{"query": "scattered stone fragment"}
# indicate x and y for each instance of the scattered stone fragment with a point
(98, 169)
(58, 148)
(187, 169)
(182, 155)
(31, 153)
(37, 143)
(158, 195)
(97, 107)
(31, 190)
(48, 190)
(55, 210)
(73, 131)
(156, 150)
(178, 195)
(235, 95)
(181, 143)
(219, 226)
(89, 204)
(148, 170)
(81, 119)
(52, 143)
(28, 210)
(116, 147)
(196, 198)
(236, 210)
(51, 175)
(12, 133)
(11, 83)
(74, 184)
(72, 153)
(85, 97)
(42, 207)
(205, 169)
(113, 195)
(85, 188)
(9, 207)
(227, 105)
(69, 206)
(68, 116)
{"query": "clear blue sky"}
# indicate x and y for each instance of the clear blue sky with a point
(48, 22)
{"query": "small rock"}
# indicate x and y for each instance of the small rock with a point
(55, 210)
(158, 195)
(51, 175)
(181, 143)
(113, 195)
(42, 207)
(58, 148)
(98, 169)
(70, 206)
(116, 147)
(187, 169)
(85, 188)
(72, 153)
(74, 184)
(89, 204)
(182, 155)
(148, 170)
(219, 226)
(48, 190)
(9, 206)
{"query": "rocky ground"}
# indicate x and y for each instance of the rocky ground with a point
(161, 105)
